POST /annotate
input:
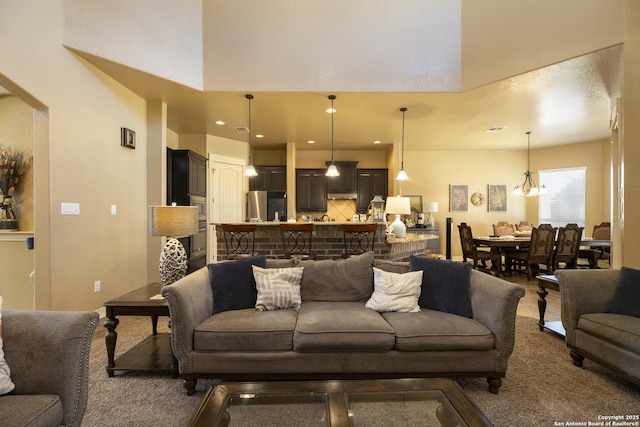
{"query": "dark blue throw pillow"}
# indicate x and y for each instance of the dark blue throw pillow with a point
(234, 287)
(626, 299)
(445, 285)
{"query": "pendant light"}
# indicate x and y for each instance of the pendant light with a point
(529, 186)
(332, 170)
(250, 170)
(402, 175)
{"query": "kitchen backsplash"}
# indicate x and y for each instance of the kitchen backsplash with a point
(337, 210)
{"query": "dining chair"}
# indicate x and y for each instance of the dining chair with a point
(358, 238)
(567, 246)
(524, 226)
(239, 240)
(297, 239)
(540, 251)
(601, 231)
(503, 228)
(471, 251)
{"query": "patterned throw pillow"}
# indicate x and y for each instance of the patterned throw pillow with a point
(6, 385)
(395, 292)
(278, 288)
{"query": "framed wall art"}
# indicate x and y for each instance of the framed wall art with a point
(458, 198)
(127, 138)
(416, 206)
(497, 198)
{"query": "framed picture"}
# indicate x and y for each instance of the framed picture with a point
(127, 138)
(458, 198)
(416, 206)
(497, 198)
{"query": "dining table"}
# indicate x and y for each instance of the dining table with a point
(498, 245)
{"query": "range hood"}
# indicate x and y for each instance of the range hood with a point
(342, 196)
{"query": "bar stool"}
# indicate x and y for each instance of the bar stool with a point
(239, 240)
(297, 239)
(358, 238)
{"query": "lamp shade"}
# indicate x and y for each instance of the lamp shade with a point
(398, 205)
(173, 220)
(431, 207)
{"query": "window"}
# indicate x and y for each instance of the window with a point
(565, 202)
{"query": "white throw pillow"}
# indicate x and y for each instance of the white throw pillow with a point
(6, 385)
(395, 292)
(278, 287)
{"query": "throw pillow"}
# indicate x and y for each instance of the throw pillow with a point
(234, 287)
(395, 291)
(6, 385)
(445, 285)
(626, 299)
(278, 287)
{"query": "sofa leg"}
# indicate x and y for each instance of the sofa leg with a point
(494, 384)
(190, 386)
(577, 359)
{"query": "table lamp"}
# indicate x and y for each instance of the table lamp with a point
(398, 205)
(173, 221)
(431, 207)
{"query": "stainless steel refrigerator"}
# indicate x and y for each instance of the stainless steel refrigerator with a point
(263, 205)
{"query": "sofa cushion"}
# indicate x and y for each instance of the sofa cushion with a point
(432, 330)
(618, 329)
(246, 330)
(33, 410)
(445, 285)
(394, 291)
(626, 299)
(234, 287)
(348, 279)
(392, 266)
(282, 262)
(278, 287)
(341, 326)
(6, 385)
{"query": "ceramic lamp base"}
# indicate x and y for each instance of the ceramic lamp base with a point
(173, 262)
(399, 229)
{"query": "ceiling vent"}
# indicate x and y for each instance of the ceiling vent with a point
(242, 129)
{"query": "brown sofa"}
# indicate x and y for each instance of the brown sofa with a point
(334, 336)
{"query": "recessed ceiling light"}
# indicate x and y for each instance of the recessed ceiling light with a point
(311, 141)
(495, 129)
(259, 136)
(377, 142)
(220, 122)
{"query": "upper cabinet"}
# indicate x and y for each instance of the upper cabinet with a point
(270, 178)
(311, 190)
(186, 175)
(370, 183)
(347, 181)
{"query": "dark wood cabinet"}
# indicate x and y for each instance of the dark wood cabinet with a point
(270, 178)
(370, 182)
(347, 181)
(311, 190)
(186, 175)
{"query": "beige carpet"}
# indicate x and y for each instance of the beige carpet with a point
(542, 386)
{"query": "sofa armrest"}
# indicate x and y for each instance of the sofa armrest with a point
(48, 353)
(494, 302)
(582, 292)
(190, 301)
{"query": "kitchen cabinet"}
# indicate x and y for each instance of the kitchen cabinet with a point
(347, 181)
(311, 190)
(186, 175)
(270, 178)
(370, 182)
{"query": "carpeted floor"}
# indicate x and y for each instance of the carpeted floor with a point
(542, 386)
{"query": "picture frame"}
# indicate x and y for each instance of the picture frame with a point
(497, 198)
(127, 138)
(458, 198)
(416, 206)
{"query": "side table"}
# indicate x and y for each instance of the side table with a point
(548, 281)
(154, 352)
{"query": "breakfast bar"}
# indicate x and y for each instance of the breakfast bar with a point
(328, 242)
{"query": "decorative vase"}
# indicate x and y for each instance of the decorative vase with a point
(8, 220)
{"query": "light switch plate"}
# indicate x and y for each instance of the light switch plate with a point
(70, 208)
(114, 209)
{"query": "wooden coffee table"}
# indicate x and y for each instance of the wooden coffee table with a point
(424, 401)
(154, 352)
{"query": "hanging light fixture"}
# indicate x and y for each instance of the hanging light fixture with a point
(250, 170)
(332, 170)
(529, 186)
(402, 175)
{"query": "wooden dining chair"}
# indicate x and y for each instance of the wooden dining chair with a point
(503, 228)
(358, 238)
(470, 250)
(601, 231)
(524, 226)
(239, 240)
(297, 239)
(540, 251)
(567, 246)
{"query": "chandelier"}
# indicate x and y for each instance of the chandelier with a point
(529, 186)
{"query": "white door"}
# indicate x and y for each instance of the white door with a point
(226, 200)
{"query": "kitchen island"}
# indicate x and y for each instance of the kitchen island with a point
(328, 242)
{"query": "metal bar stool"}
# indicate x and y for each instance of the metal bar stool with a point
(297, 239)
(358, 238)
(239, 240)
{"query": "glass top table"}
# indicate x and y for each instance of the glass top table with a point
(424, 402)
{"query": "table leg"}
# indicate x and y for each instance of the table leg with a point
(542, 303)
(110, 340)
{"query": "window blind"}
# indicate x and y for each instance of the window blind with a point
(565, 201)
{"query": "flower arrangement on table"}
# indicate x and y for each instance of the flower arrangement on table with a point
(13, 164)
